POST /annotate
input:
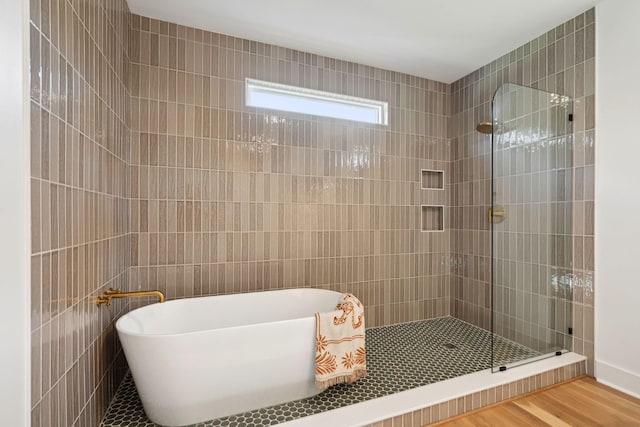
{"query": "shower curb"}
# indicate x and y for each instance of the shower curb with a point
(490, 396)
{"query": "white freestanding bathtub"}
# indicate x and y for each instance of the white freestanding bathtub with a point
(199, 359)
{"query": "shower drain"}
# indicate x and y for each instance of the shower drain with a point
(450, 346)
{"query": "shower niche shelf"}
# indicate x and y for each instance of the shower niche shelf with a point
(432, 179)
(432, 218)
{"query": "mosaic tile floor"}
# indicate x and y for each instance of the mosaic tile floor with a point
(399, 357)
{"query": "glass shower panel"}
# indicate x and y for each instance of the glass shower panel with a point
(531, 225)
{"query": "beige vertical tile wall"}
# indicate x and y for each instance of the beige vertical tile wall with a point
(228, 199)
(79, 198)
(560, 61)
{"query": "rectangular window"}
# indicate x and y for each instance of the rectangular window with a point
(276, 96)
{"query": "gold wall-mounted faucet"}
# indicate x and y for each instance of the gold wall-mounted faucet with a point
(117, 293)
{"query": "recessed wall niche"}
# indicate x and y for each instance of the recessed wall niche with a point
(432, 218)
(432, 179)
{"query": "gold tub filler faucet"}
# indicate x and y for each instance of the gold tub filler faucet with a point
(117, 293)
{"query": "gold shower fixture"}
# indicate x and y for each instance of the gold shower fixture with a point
(117, 293)
(485, 127)
(497, 214)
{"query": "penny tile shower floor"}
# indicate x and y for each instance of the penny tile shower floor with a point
(399, 357)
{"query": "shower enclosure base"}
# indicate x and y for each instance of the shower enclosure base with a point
(439, 401)
(412, 366)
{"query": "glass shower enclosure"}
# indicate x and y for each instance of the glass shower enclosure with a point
(531, 224)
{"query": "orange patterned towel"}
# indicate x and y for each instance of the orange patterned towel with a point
(340, 350)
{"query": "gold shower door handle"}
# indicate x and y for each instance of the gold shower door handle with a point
(496, 214)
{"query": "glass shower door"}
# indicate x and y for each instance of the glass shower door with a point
(531, 225)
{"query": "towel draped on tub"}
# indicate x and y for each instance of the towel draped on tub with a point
(340, 343)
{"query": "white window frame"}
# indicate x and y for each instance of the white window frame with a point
(276, 96)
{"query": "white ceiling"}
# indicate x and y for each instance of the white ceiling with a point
(438, 39)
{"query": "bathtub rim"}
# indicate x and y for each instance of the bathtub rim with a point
(120, 329)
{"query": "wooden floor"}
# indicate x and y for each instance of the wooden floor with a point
(582, 402)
